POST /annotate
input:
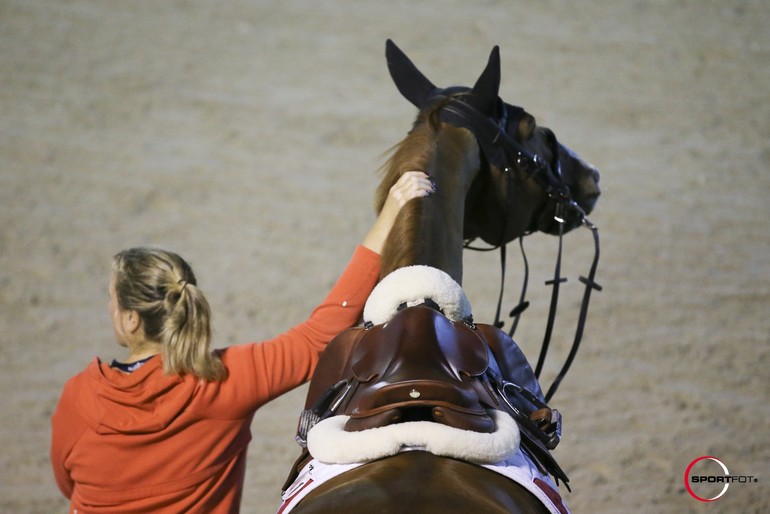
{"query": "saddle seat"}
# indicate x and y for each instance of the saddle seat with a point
(420, 366)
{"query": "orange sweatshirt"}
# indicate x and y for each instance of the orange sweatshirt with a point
(148, 442)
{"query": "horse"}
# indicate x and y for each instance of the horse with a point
(498, 176)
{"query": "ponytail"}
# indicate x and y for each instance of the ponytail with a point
(161, 287)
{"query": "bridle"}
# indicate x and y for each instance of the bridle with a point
(506, 154)
(503, 151)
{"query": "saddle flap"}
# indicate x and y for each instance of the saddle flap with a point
(334, 364)
(513, 364)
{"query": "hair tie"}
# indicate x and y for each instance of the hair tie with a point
(182, 283)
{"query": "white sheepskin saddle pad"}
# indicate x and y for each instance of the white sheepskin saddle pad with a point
(411, 285)
(330, 443)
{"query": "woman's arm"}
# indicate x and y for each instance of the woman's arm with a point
(289, 359)
(412, 184)
(66, 429)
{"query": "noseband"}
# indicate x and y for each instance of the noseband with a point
(506, 154)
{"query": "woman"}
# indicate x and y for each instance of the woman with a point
(166, 430)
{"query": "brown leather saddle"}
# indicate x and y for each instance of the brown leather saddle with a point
(421, 366)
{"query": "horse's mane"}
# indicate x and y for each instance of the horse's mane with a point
(412, 153)
(415, 152)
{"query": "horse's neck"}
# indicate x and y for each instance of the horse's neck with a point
(429, 231)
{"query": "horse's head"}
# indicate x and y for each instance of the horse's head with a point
(570, 183)
(531, 179)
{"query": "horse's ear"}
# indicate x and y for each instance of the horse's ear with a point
(487, 87)
(409, 80)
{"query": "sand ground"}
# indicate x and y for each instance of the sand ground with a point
(246, 135)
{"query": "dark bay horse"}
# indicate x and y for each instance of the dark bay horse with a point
(498, 176)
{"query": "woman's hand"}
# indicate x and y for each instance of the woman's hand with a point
(412, 184)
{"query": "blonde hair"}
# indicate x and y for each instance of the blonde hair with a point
(161, 287)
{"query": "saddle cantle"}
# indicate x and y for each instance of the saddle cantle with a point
(422, 366)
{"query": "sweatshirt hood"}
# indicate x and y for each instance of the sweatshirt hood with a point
(142, 402)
